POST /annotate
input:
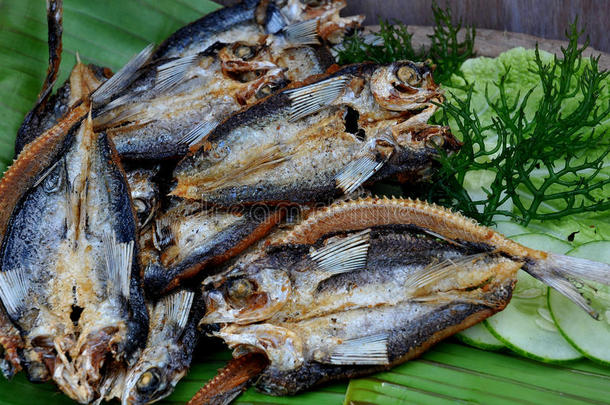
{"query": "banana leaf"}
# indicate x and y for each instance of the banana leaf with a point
(108, 33)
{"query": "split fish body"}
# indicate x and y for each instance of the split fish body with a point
(176, 102)
(315, 141)
(364, 285)
(189, 238)
(70, 278)
(251, 18)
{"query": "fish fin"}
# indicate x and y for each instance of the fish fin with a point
(349, 254)
(438, 271)
(175, 309)
(117, 102)
(371, 350)
(118, 258)
(173, 72)
(122, 78)
(14, 287)
(314, 97)
(357, 172)
(197, 133)
(162, 235)
(303, 33)
(569, 276)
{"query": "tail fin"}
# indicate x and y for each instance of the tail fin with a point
(571, 277)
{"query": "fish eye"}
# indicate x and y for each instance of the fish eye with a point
(408, 75)
(263, 92)
(140, 205)
(244, 52)
(240, 289)
(436, 140)
(149, 381)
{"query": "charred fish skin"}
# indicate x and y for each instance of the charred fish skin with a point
(364, 285)
(319, 139)
(169, 348)
(85, 247)
(190, 240)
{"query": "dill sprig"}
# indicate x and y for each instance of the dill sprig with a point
(548, 165)
(394, 42)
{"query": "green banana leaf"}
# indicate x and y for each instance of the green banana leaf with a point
(108, 33)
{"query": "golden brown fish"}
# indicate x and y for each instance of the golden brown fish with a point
(318, 140)
(364, 285)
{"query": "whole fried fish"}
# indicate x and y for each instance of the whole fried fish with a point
(313, 142)
(176, 102)
(364, 285)
(69, 277)
(250, 18)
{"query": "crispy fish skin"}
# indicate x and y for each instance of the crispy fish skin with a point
(252, 18)
(317, 140)
(227, 24)
(363, 285)
(154, 120)
(190, 238)
(84, 246)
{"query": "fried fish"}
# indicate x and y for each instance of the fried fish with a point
(69, 277)
(364, 285)
(315, 141)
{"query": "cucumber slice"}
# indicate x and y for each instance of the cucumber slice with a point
(588, 336)
(478, 336)
(525, 326)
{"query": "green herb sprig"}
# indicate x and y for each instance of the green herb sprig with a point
(562, 145)
(394, 42)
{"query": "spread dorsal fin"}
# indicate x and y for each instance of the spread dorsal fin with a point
(14, 288)
(302, 33)
(197, 133)
(172, 311)
(122, 78)
(118, 257)
(349, 254)
(314, 97)
(367, 350)
(439, 271)
(173, 72)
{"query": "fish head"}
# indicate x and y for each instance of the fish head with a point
(404, 86)
(156, 373)
(438, 139)
(245, 296)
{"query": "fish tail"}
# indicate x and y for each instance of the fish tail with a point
(571, 276)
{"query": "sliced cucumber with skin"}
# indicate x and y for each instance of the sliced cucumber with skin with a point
(588, 336)
(478, 336)
(525, 326)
